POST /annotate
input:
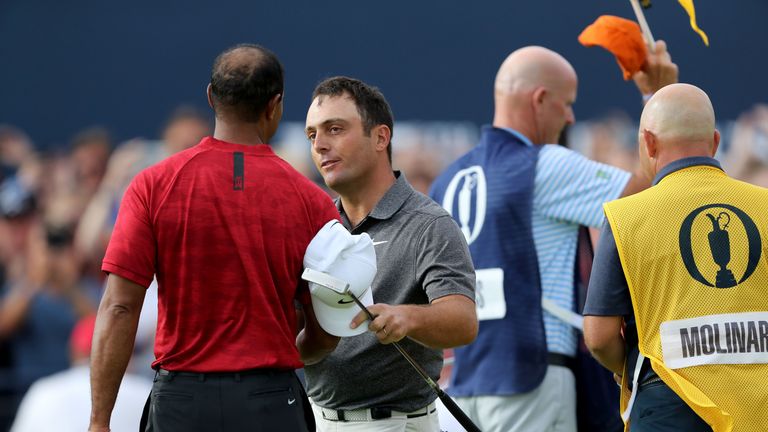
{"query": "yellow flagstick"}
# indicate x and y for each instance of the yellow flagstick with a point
(644, 25)
(688, 6)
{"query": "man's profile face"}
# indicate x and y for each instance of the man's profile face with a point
(341, 150)
(557, 110)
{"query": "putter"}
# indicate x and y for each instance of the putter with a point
(454, 409)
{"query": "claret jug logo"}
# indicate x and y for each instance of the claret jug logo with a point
(720, 245)
(465, 199)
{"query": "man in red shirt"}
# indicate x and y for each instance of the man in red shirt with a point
(223, 227)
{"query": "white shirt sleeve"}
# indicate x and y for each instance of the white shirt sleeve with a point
(570, 187)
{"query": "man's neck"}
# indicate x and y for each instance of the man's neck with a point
(673, 154)
(524, 128)
(361, 200)
(241, 133)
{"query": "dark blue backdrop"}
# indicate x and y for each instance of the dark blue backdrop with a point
(67, 65)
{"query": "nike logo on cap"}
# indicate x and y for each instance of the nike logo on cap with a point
(291, 401)
(342, 301)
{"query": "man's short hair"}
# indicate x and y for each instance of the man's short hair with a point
(370, 102)
(244, 79)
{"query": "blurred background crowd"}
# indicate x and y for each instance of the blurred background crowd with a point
(58, 205)
(126, 66)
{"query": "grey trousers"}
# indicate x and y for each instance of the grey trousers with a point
(551, 407)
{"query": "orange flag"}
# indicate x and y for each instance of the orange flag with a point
(688, 6)
(622, 37)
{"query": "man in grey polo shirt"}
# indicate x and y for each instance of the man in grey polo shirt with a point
(423, 291)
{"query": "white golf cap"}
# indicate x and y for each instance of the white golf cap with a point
(337, 261)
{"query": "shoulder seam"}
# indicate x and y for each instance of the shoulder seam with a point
(172, 181)
(293, 179)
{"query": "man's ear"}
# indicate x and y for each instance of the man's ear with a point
(210, 96)
(716, 142)
(651, 143)
(273, 106)
(538, 96)
(383, 135)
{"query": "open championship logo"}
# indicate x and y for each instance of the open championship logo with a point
(467, 205)
(727, 229)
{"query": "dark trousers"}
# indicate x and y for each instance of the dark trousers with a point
(659, 409)
(259, 401)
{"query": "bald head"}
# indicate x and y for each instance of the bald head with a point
(677, 122)
(534, 92)
(243, 81)
(679, 114)
(531, 67)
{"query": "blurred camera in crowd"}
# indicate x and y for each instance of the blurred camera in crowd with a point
(16, 200)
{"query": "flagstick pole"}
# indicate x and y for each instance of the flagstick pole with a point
(643, 25)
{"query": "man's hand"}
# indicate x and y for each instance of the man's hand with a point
(617, 378)
(657, 72)
(391, 323)
(98, 428)
(447, 322)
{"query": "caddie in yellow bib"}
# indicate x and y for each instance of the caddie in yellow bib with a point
(694, 251)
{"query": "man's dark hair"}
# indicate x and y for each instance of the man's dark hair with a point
(244, 79)
(370, 102)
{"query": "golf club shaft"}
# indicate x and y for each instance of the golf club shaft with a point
(456, 412)
(404, 353)
(449, 403)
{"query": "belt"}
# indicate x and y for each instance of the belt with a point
(648, 381)
(557, 359)
(202, 376)
(375, 413)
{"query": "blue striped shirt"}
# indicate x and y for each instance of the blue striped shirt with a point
(569, 190)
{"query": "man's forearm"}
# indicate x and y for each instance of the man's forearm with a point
(637, 183)
(445, 323)
(611, 355)
(93, 221)
(313, 343)
(603, 337)
(113, 341)
(315, 348)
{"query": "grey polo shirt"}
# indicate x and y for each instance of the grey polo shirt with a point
(421, 256)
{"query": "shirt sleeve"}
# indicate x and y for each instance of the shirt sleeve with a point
(321, 210)
(573, 188)
(132, 248)
(608, 292)
(444, 264)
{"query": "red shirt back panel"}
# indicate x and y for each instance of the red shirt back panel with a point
(224, 228)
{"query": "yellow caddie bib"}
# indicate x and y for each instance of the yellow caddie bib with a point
(694, 249)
